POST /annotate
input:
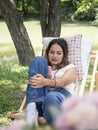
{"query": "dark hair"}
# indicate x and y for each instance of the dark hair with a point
(63, 44)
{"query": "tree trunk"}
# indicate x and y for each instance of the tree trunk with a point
(18, 31)
(50, 18)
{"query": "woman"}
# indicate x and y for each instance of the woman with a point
(43, 91)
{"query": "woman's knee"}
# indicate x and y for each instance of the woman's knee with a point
(39, 65)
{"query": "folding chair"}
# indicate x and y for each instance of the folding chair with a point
(80, 89)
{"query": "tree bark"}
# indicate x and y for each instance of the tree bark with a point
(18, 31)
(50, 18)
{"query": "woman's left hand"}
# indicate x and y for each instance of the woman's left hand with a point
(37, 81)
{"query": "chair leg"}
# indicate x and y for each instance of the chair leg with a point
(23, 105)
(96, 80)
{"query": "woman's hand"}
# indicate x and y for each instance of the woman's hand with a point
(37, 81)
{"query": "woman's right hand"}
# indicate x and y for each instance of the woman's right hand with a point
(37, 81)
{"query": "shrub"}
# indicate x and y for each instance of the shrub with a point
(85, 13)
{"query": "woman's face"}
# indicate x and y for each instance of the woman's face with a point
(55, 55)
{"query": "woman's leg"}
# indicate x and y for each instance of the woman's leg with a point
(33, 95)
(37, 65)
(53, 99)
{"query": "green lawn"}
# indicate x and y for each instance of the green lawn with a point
(34, 31)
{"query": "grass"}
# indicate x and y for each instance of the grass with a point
(89, 77)
(13, 78)
(12, 83)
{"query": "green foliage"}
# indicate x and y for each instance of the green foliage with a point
(95, 3)
(28, 7)
(85, 12)
(36, 6)
(79, 10)
(67, 9)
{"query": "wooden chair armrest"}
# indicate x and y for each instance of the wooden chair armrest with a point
(96, 80)
(95, 56)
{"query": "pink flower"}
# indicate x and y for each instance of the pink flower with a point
(91, 97)
(79, 113)
(71, 102)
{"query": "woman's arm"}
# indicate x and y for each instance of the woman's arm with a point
(38, 81)
(68, 77)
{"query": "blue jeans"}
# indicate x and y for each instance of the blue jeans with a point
(43, 97)
(54, 98)
(38, 65)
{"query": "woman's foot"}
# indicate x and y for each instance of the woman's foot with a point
(32, 114)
